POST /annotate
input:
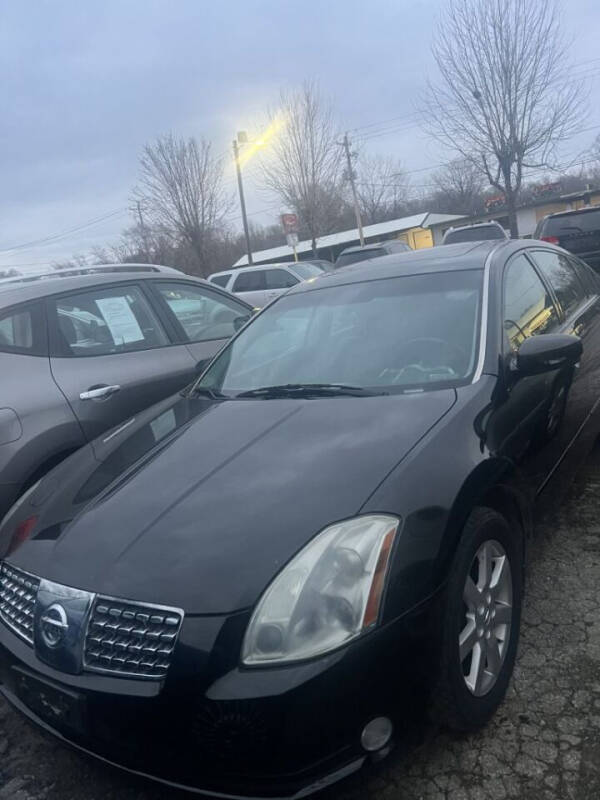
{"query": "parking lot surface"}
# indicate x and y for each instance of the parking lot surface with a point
(544, 743)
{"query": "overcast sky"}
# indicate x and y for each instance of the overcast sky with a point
(87, 84)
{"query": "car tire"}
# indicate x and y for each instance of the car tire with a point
(477, 652)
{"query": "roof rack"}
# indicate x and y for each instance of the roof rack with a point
(28, 277)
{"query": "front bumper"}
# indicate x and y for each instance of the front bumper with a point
(268, 732)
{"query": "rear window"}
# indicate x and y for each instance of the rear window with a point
(479, 234)
(359, 255)
(559, 271)
(16, 331)
(584, 222)
(220, 280)
(306, 271)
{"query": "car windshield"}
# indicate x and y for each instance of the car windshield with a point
(396, 334)
(345, 259)
(479, 234)
(306, 271)
(584, 222)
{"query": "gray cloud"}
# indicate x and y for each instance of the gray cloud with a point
(85, 85)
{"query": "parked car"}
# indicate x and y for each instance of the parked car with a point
(577, 231)
(259, 285)
(352, 255)
(82, 353)
(246, 589)
(478, 232)
(321, 263)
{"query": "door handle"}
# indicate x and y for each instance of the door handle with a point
(99, 393)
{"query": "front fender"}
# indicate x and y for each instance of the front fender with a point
(433, 490)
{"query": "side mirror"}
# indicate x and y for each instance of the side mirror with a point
(239, 322)
(549, 351)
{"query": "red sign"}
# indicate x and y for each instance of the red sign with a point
(547, 188)
(289, 223)
(495, 202)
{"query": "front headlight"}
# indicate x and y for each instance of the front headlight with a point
(328, 594)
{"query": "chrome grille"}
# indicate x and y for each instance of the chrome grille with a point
(18, 592)
(127, 638)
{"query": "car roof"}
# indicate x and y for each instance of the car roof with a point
(450, 258)
(252, 268)
(490, 223)
(358, 248)
(12, 293)
(582, 210)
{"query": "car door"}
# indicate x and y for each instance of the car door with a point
(251, 286)
(577, 295)
(277, 281)
(517, 423)
(111, 354)
(204, 318)
(36, 424)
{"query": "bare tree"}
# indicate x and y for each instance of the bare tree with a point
(594, 166)
(382, 188)
(181, 193)
(504, 100)
(459, 187)
(303, 165)
(77, 261)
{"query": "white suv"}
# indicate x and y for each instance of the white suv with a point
(259, 285)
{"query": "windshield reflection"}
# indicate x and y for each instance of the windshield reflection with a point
(401, 333)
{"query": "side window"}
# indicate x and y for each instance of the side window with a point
(17, 330)
(251, 281)
(201, 313)
(559, 272)
(528, 308)
(280, 279)
(220, 280)
(104, 321)
(588, 278)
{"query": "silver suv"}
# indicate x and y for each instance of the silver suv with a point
(81, 353)
(352, 255)
(477, 232)
(259, 285)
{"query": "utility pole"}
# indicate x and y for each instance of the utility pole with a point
(143, 232)
(346, 145)
(236, 156)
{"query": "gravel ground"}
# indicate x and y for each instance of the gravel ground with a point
(544, 743)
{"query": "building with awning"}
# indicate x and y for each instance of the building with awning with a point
(529, 214)
(415, 230)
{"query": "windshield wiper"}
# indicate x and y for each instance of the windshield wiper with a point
(309, 390)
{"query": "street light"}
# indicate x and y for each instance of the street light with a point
(242, 138)
(255, 144)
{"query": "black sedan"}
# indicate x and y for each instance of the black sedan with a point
(244, 589)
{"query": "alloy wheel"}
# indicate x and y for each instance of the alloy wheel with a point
(488, 612)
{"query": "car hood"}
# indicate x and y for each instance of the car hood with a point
(198, 504)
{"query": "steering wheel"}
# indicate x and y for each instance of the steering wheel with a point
(455, 348)
(415, 369)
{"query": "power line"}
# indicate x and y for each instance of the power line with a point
(50, 239)
(388, 130)
(573, 76)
